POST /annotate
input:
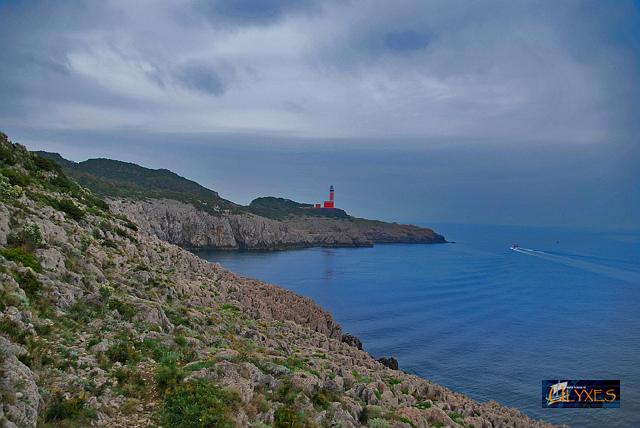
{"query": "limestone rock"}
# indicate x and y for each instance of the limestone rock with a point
(390, 362)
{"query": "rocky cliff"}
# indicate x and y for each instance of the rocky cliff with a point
(187, 214)
(184, 225)
(104, 325)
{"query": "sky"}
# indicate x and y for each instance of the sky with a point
(417, 111)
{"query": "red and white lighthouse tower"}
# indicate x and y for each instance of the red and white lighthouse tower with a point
(330, 202)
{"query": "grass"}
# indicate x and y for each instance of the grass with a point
(361, 378)
(286, 416)
(29, 283)
(21, 256)
(69, 207)
(124, 352)
(394, 381)
(322, 399)
(423, 405)
(168, 376)
(228, 307)
(457, 418)
(74, 409)
(199, 403)
(130, 382)
(126, 310)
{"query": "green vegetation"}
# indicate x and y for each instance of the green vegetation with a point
(361, 378)
(73, 409)
(199, 403)
(19, 255)
(29, 238)
(322, 398)
(127, 310)
(370, 413)
(457, 418)
(69, 207)
(287, 417)
(28, 282)
(279, 208)
(130, 382)
(293, 363)
(230, 308)
(106, 177)
(378, 423)
(16, 177)
(168, 376)
(8, 191)
(20, 169)
(423, 404)
(124, 351)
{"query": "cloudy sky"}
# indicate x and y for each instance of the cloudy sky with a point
(447, 111)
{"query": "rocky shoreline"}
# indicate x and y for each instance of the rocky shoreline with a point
(103, 324)
(184, 225)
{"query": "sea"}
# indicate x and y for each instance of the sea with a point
(480, 318)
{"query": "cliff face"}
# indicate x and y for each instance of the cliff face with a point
(182, 212)
(102, 324)
(184, 225)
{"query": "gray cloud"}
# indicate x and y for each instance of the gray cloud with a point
(410, 77)
(527, 70)
(250, 12)
(202, 78)
(407, 40)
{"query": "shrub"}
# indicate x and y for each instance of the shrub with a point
(69, 207)
(8, 191)
(286, 392)
(180, 340)
(28, 237)
(61, 409)
(457, 418)
(200, 403)
(293, 363)
(45, 164)
(370, 413)
(378, 423)
(423, 404)
(167, 376)
(127, 310)
(124, 351)
(16, 178)
(28, 282)
(7, 155)
(230, 308)
(130, 382)
(21, 256)
(323, 399)
(359, 378)
(287, 417)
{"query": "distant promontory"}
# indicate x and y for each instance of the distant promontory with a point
(183, 212)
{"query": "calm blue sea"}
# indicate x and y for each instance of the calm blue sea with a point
(482, 319)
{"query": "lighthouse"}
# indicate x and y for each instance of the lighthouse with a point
(330, 202)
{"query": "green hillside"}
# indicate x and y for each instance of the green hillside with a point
(279, 208)
(107, 177)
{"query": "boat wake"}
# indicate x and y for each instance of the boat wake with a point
(609, 271)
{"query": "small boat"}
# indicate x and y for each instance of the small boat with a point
(515, 247)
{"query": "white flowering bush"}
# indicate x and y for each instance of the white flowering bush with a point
(7, 191)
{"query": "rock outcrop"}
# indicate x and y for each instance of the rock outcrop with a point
(104, 325)
(184, 225)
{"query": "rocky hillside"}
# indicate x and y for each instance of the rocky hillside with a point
(101, 325)
(184, 213)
